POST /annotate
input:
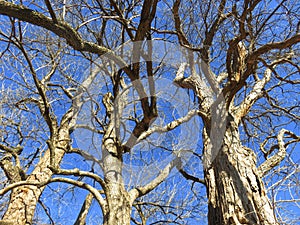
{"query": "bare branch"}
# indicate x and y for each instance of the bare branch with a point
(191, 177)
(170, 126)
(274, 160)
(180, 34)
(81, 219)
(256, 93)
(270, 46)
(140, 191)
(49, 7)
(81, 184)
(61, 29)
(77, 172)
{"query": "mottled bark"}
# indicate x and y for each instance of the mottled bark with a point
(118, 208)
(23, 199)
(236, 193)
(118, 205)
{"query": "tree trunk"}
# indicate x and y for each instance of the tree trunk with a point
(236, 193)
(119, 203)
(119, 208)
(23, 199)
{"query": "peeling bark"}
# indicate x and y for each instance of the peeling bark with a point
(119, 205)
(236, 193)
(24, 199)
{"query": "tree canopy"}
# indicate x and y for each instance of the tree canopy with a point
(149, 112)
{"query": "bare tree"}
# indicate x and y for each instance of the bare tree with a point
(56, 89)
(240, 63)
(249, 59)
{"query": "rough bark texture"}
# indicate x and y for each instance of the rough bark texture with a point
(24, 199)
(236, 193)
(118, 207)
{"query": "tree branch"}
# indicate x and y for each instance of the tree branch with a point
(253, 96)
(61, 29)
(50, 9)
(270, 46)
(274, 160)
(190, 177)
(140, 191)
(81, 219)
(170, 126)
(77, 172)
(80, 184)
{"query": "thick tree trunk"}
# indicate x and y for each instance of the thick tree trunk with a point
(119, 208)
(119, 203)
(236, 193)
(23, 199)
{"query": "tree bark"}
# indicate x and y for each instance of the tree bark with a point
(23, 199)
(236, 193)
(118, 208)
(118, 205)
(119, 202)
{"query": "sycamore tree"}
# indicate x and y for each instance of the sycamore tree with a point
(143, 103)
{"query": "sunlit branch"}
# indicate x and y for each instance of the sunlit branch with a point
(140, 191)
(80, 184)
(170, 126)
(81, 218)
(13, 150)
(193, 82)
(77, 172)
(274, 160)
(253, 96)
